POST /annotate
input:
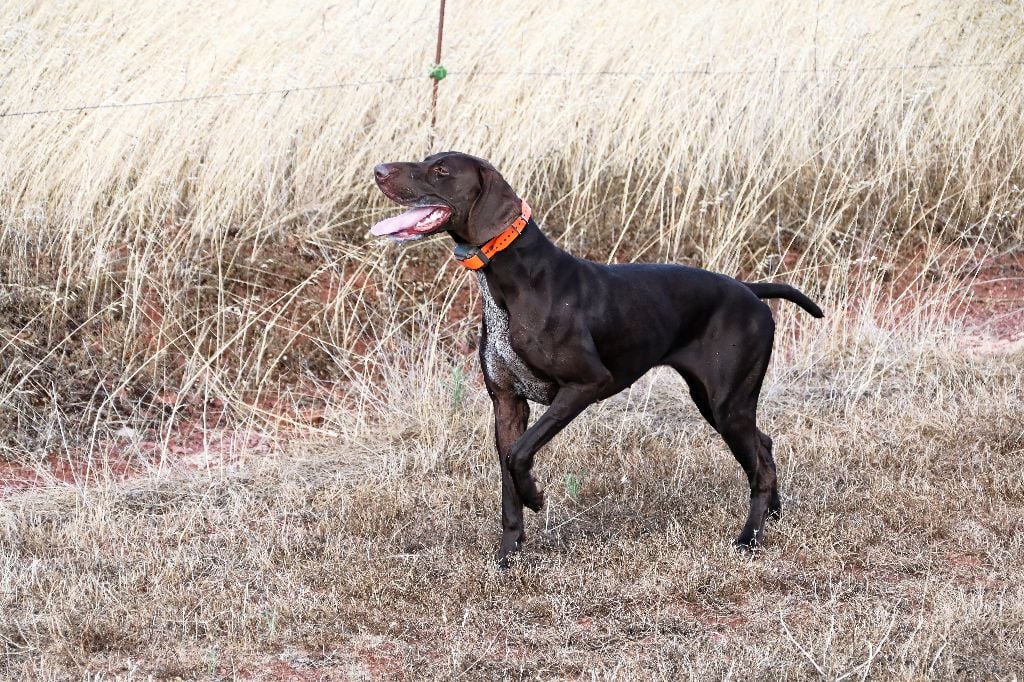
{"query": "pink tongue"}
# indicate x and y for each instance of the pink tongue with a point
(401, 222)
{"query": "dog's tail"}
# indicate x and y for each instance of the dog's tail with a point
(770, 290)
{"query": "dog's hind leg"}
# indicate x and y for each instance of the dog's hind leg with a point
(744, 440)
(725, 387)
(774, 500)
(736, 387)
(697, 392)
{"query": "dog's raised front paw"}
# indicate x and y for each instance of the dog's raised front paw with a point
(532, 494)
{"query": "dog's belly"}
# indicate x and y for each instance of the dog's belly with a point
(502, 364)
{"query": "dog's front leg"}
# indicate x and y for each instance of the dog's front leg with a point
(568, 403)
(511, 414)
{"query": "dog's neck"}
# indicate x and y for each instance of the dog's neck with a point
(522, 265)
(477, 256)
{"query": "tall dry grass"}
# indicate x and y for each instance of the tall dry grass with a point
(185, 249)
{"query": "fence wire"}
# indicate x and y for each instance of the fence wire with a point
(696, 71)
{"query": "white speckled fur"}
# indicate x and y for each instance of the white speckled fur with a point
(503, 366)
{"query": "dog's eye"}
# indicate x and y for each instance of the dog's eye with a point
(439, 171)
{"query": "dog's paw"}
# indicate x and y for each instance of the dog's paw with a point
(532, 494)
(504, 558)
(748, 543)
(511, 544)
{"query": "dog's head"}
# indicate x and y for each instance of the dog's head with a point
(452, 192)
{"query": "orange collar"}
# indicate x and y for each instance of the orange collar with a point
(475, 258)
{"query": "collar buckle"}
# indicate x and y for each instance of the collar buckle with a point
(471, 256)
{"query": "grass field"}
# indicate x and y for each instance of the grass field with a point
(221, 405)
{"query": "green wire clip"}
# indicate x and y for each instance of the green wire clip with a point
(437, 72)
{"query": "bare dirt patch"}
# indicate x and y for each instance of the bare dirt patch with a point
(995, 307)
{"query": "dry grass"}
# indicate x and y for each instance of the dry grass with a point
(899, 556)
(174, 275)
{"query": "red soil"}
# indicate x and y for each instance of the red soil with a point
(995, 307)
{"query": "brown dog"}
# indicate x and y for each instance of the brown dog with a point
(567, 332)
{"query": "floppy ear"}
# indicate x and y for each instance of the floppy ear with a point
(495, 208)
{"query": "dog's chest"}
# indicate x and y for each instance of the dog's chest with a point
(503, 365)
